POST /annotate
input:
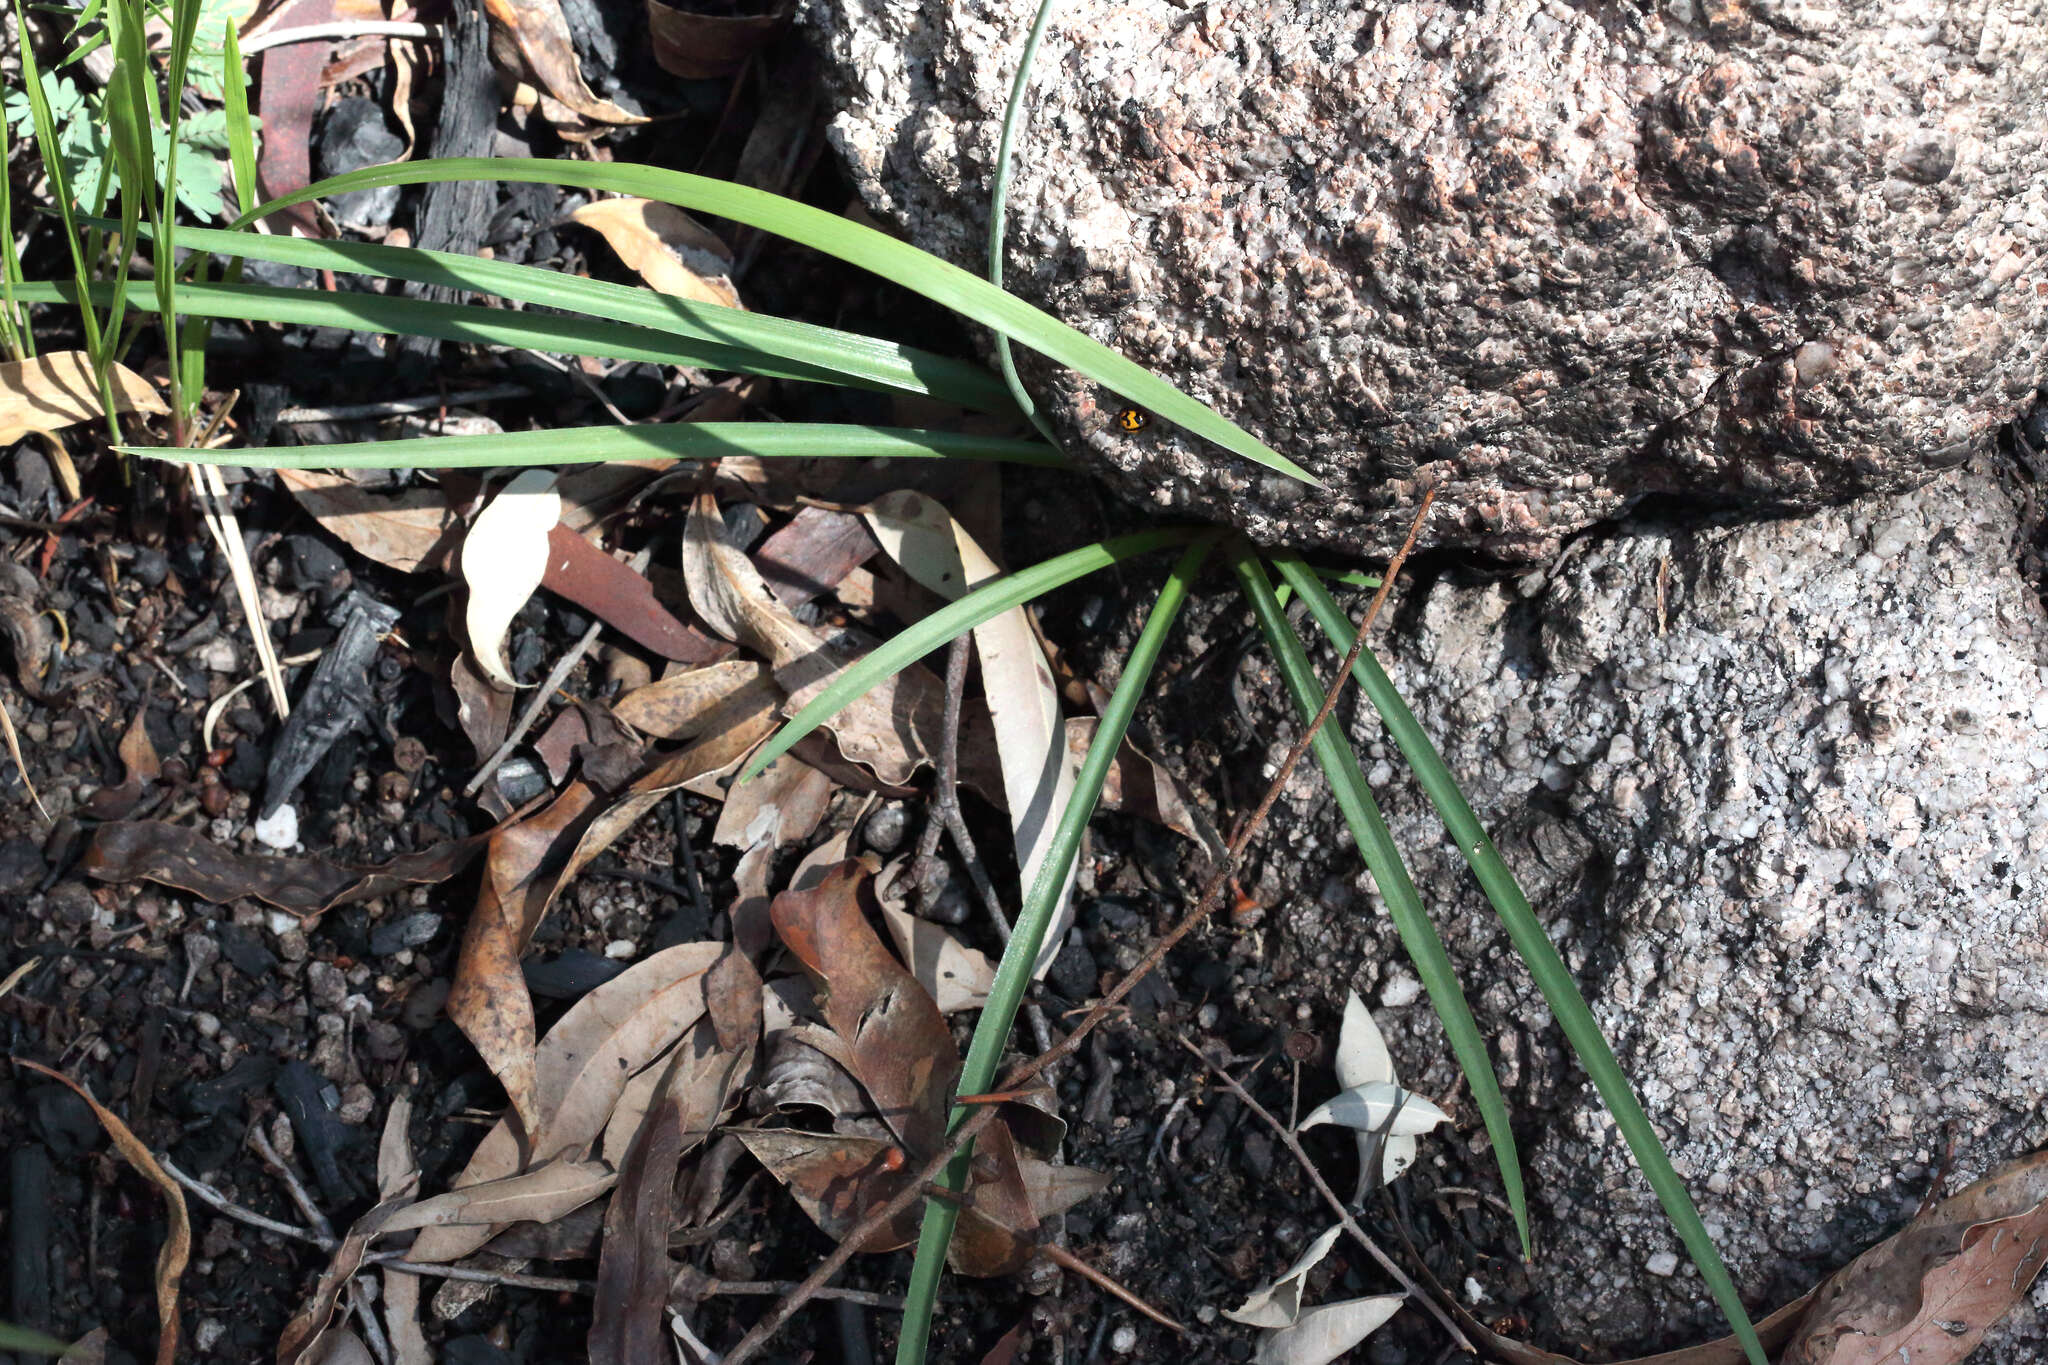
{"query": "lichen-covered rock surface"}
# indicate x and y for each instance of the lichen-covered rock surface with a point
(1780, 793)
(1555, 257)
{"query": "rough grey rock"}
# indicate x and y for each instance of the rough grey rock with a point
(1780, 793)
(1554, 256)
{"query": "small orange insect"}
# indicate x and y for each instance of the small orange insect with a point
(1133, 419)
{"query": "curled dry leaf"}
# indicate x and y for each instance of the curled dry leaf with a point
(531, 36)
(1378, 1106)
(837, 1178)
(174, 855)
(686, 705)
(1324, 1333)
(666, 247)
(50, 392)
(1022, 698)
(581, 1070)
(177, 1248)
(1279, 1303)
(699, 1086)
(504, 558)
(898, 1046)
(402, 530)
(541, 1196)
(957, 977)
(1363, 1059)
(893, 1040)
(398, 1175)
(780, 807)
(890, 729)
(529, 862)
(1928, 1294)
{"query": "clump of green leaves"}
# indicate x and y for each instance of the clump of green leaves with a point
(78, 106)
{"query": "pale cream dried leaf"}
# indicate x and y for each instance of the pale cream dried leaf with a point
(1324, 1333)
(666, 247)
(50, 392)
(504, 558)
(397, 530)
(1022, 698)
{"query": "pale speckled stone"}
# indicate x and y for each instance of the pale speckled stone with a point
(1554, 257)
(1780, 793)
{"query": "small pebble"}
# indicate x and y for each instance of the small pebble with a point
(1207, 1016)
(218, 655)
(1124, 1340)
(279, 829)
(413, 931)
(885, 829)
(1663, 1263)
(621, 949)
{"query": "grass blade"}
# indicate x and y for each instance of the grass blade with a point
(751, 343)
(999, 208)
(823, 354)
(464, 322)
(1525, 931)
(940, 281)
(47, 146)
(987, 601)
(1013, 974)
(241, 128)
(594, 445)
(1404, 905)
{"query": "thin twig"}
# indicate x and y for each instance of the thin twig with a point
(221, 1204)
(1358, 1234)
(1212, 892)
(401, 407)
(1067, 1260)
(337, 32)
(362, 1299)
(705, 1287)
(392, 1261)
(545, 693)
(299, 1193)
(945, 802)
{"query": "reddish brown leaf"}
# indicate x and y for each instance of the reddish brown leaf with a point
(896, 1038)
(287, 97)
(814, 553)
(623, 600)
(836, 1179)
(177, 1248)
(708, 46)
(1929, 1293)
(488, 1000)
(154, 850)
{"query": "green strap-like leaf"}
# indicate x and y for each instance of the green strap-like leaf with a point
(465, 322)
(863, 246)
(1404, 905)
(989, 600)
(1013, 974)
(1536, 950)
(594, 445)
(730, 338)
